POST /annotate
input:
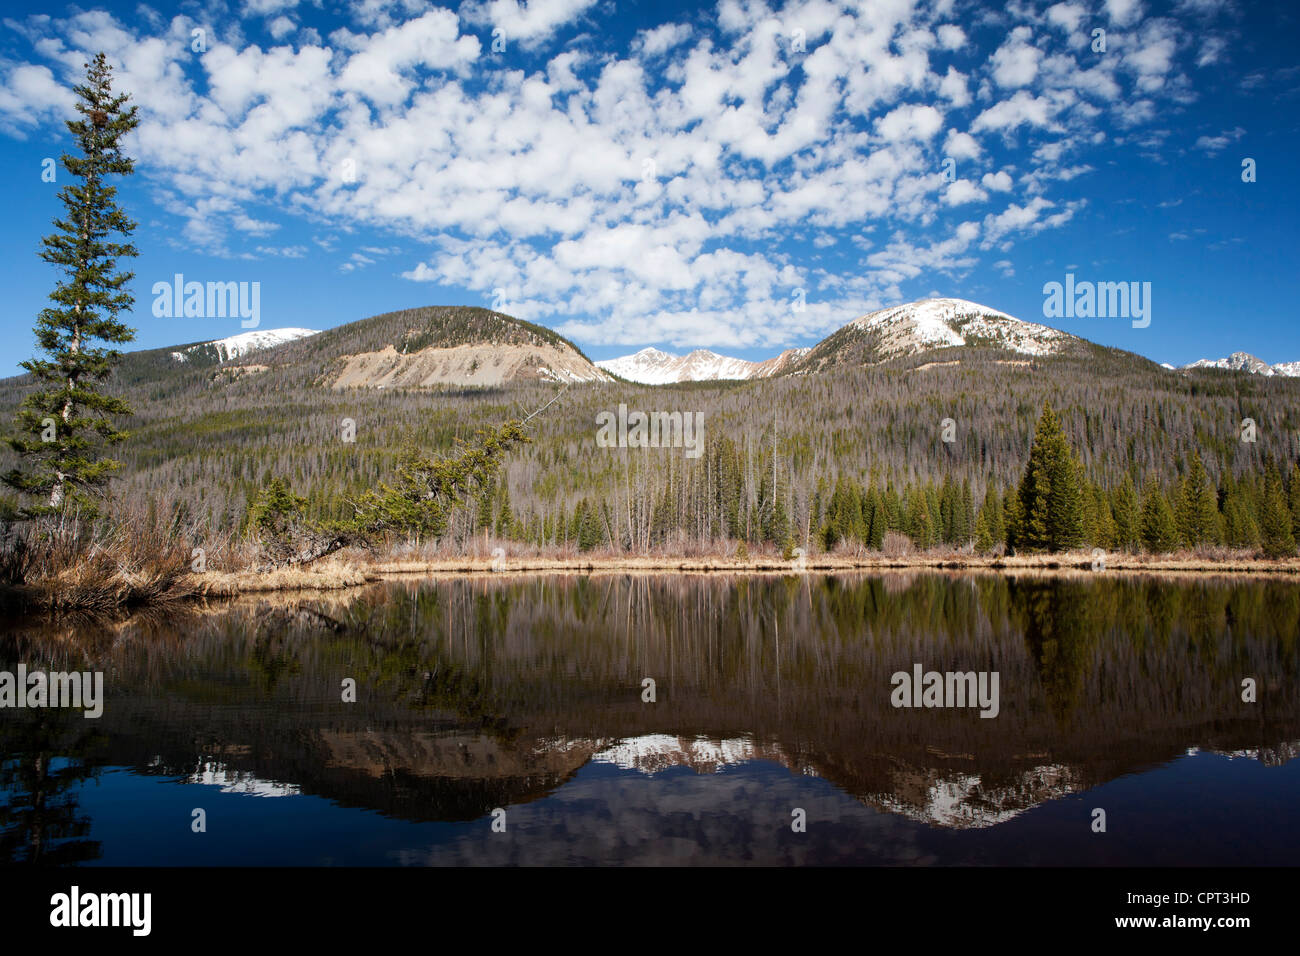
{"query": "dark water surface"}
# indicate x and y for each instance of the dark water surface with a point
(773, 695)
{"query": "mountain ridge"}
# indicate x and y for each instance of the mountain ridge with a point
(1246, 362)
(468, 346)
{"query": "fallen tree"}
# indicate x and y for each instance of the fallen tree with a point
(419, 501)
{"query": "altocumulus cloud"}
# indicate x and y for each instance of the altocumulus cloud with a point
(676, 185)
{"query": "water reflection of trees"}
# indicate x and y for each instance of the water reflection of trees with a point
(473, 688)
(41, 773)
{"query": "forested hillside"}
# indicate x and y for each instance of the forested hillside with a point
(799, 459)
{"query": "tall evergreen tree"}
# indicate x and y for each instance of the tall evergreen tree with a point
(1011, 518)
(1102, 521)
(1159, 531)
(1051, 499)
(920, 522)
(876, 519)
(1276, 532)
(65, 424)
(989, 527)
(1293, 495)
(965, 525)
(1240, 529)
(1197, 511)
(1127, 518)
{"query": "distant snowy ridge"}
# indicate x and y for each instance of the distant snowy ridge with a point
(1245, 362)
(652, 366)
(900, 330)
(236, 345)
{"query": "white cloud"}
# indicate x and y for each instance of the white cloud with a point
(963, 191)
(1068, 16)
(961, 145)
(1123, 12)
(951, 37)
(529, 23)
(280, 27)
(910, 122)
(998, 182)
(1016, 63)
(30, 95)
(1021, 109)
(265, 8)
(953, 88)
(1215, 144)
(667, 191)
(661, 39)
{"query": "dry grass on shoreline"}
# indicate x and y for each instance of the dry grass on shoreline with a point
(64, 569)
(356, 570)
(1072, 561)
(73, 565)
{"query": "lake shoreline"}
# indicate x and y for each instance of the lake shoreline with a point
(340, 573)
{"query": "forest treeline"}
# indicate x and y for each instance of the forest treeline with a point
(1054, 507)
(838, 460)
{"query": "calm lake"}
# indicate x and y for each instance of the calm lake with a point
(772, 737)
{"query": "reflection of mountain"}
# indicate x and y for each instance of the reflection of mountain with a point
(483, 693)
(652, 753)
(215, 774)
(951, 799)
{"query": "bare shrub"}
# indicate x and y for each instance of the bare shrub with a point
(896, 545)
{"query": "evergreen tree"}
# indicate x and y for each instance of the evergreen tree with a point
(1159, 531)
(876, 519)
(1276, 531)
(483, 507)
(1127, 518)
(505, 522)
(965, 524)
(920, 521)
(1293, 495)
(778, 529)
(65, 425)
(948, 506)
(1051, 501)
(1012, 519)
(930, 494)
(893, 508)
(1197, 511)
(1240, 529)
(1103, 534)
(989, 528)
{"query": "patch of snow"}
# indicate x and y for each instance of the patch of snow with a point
(234, 346)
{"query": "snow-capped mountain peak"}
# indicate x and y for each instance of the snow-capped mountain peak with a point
(234, 346)
(1245, 362)
(945, 323)
(652, 366)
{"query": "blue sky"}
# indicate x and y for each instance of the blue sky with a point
(667, 174)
